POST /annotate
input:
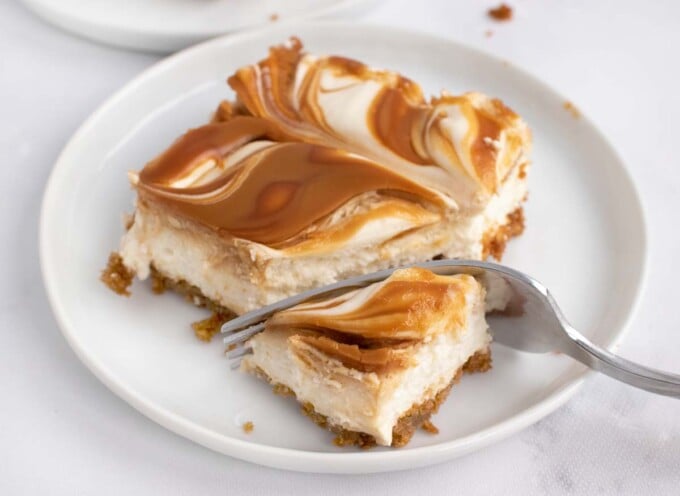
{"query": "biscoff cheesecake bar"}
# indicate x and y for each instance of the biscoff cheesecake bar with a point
(374, 364)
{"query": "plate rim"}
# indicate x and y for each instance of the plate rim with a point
(163, 40)
(298, 459)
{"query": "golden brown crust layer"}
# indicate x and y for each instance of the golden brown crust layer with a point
(416, 417)
(494, 241)
(116, 275)
(193, 294)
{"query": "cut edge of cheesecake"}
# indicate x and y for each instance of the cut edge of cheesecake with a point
(381, 390)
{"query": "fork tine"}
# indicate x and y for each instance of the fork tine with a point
(240, 323)
(241, 336)
(239, 352)
(235, 353)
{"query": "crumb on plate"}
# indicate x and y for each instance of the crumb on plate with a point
(501, 13)
(572, 109)
(116, 275)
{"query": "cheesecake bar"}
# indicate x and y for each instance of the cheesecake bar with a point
(322, 168)
(373, 364)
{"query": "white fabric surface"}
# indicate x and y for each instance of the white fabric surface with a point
(62, 432)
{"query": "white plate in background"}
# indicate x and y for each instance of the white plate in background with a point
(585, 239)
(166, 26)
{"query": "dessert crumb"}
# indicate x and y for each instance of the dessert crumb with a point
(248, 427)
(488, 33)
(116, 275)
(501, 13)
(232, 346)
(274, 17)
(429, 427)
(205, 329)
(572, 109)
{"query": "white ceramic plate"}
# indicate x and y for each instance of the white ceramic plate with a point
(169, 25)
(585, 240)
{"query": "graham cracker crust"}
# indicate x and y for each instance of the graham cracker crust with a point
(494, 242)
(418, 416)
(160, 283)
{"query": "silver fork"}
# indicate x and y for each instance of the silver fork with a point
(531, 322)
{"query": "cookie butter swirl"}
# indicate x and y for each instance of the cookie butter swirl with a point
(233, 177)
(464, 146)
(372, 328)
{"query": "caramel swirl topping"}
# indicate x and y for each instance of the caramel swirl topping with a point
(373, 328)
(232, 177)
(462, 145)
(403, 307)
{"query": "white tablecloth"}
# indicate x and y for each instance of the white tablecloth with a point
(62, 432)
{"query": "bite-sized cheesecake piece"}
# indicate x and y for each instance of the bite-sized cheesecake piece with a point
(323, 169)
(373, 364)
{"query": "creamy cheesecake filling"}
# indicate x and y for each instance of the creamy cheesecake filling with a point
(410, 347)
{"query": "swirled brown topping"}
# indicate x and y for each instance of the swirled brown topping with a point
(309, 348)
(464, 145)
(372, 327)
(233, 177)
(324, 152)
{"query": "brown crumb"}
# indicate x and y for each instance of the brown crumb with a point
(501, 13)
(116, 275)
(572, 109)
(248, 427)
(232, 346)
(488, 33)
(205, 329)
(429, 427)
(191, 293)
(274, 17)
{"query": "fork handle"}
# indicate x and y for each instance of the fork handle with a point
(623, 370)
